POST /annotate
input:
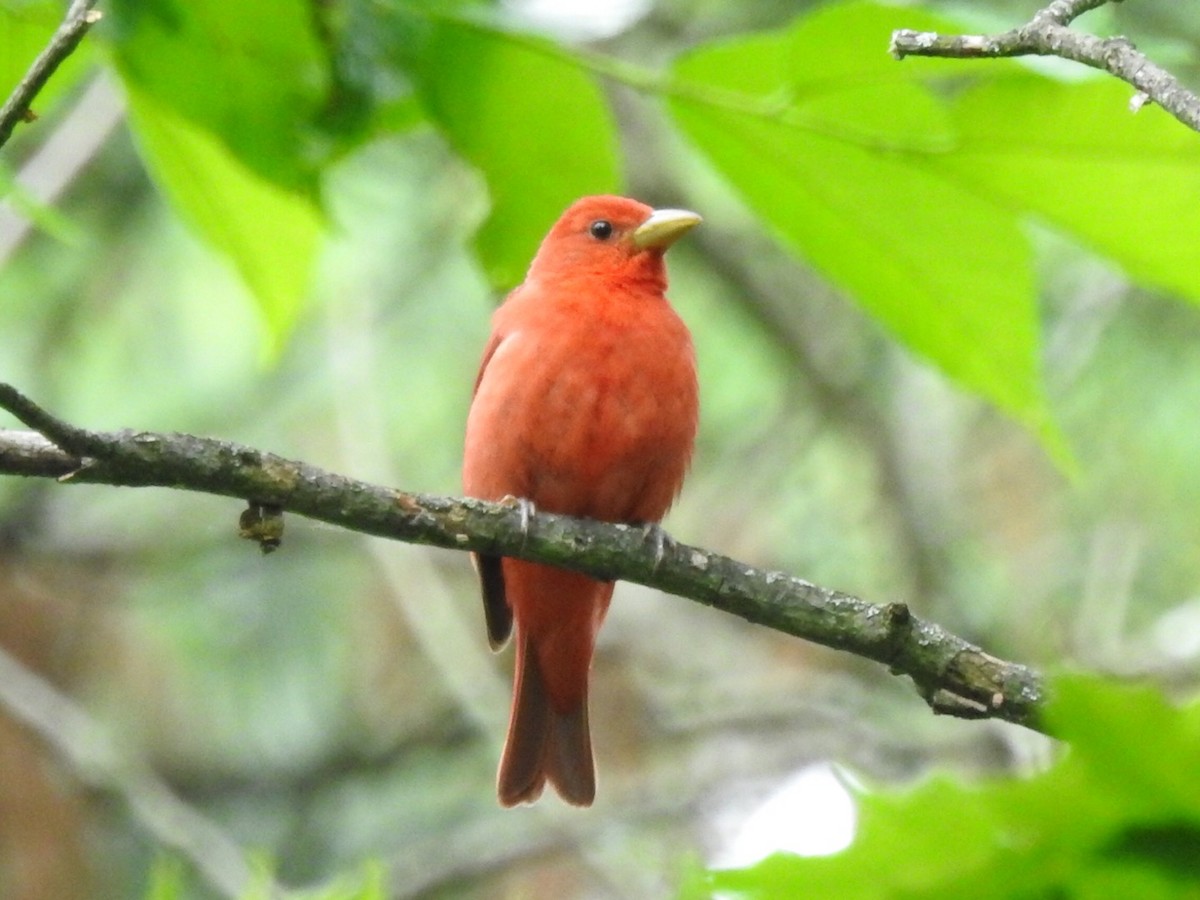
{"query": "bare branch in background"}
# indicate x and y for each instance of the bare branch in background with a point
(97, 760)
(1048, 34)
(954, 676)
(18, 107)
(54, 165)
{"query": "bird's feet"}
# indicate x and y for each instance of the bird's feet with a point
(657, 537)
(526, 510)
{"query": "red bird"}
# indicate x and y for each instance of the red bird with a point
(586, 404)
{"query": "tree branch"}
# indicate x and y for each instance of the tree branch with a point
(80, 17)
(954, 676)
(1048, 34)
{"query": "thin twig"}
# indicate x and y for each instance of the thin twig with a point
(74, 440)
(17, 108)
(1048, 34)
(942, 665)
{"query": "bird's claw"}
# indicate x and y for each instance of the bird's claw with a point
(654, 533)
(526, 510)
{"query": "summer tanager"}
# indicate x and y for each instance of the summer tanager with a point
(586, 404)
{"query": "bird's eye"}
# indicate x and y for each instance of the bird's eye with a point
(601, 229)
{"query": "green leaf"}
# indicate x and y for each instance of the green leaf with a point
(884, 117)
(902, 837)
(830, 144)
(1073, 153)
(530, 120)
(1116, 816)
(846, 41)
(251, 74)
(270, 234)
(1083, 715)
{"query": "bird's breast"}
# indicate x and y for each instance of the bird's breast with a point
(590, 415)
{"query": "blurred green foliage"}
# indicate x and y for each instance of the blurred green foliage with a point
(254, 75)
(169, 880)
(1107, 819)
(492, 94)
(371, 173)
(859, 195)
(228, 206)
(897, 191)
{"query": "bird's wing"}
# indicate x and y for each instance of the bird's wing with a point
(496, 611)
(489, 351)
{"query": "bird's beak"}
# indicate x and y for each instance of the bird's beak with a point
(664, 227)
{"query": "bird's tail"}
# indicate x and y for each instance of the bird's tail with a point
(544, 744)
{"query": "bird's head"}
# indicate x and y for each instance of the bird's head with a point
(610, 237)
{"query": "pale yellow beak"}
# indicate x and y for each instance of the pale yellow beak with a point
(664, 227)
